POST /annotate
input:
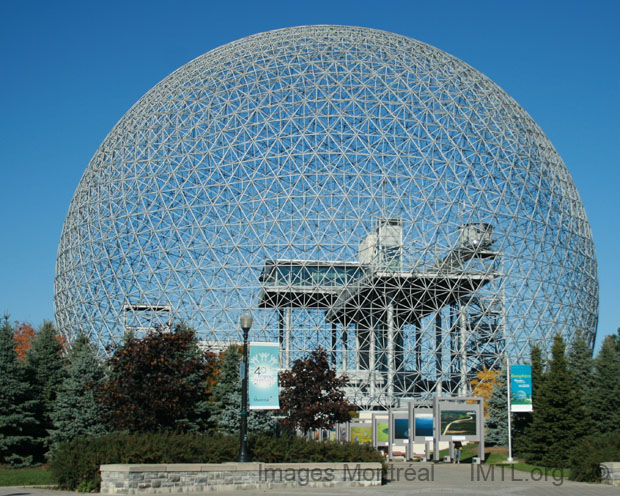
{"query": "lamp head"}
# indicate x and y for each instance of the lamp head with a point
(246, 321)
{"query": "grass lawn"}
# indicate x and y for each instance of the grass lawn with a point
(469, 451)
(39, 476)
(498, 456)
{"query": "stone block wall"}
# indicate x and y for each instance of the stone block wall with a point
(610, 473)
(197, 478)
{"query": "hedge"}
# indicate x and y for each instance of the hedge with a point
(75, 464)
(587, 456)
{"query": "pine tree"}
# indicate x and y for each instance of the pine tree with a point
(581, 365)
(45, 366)
(227, 398)
(76, 409)
(559, 418)
(17, 416)
(497, 420)
(605, 397)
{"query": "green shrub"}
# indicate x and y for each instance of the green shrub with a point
(76, 464)
(293, 449)
(587, 456)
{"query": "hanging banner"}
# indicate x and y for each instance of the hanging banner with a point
(520, 388)
(264, 359)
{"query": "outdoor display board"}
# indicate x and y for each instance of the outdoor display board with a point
(401, 428)
(459, 420)
(520, 388)
(263, 376)
(381, 429)
(360, 432)
(424, 424)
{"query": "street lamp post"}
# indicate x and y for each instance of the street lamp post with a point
(246, 324)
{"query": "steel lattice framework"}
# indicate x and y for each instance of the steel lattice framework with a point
(356, 189)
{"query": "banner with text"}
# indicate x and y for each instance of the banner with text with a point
(263, 376)
(520, 388)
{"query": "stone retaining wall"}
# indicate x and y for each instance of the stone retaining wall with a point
(197, 478)
(610, 473)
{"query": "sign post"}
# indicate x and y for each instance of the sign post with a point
(519, 383)
(508, 379)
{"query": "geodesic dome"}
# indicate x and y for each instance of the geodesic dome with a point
(355, 190)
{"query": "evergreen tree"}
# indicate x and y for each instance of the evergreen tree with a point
(559, 419)
(45, 366)
(581, 365)
(76, 409)
(17, 404)
(156, 383)
(497, 420)
(227, 398)
(605, 397)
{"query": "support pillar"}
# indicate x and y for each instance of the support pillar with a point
(463, 350)
(281, 326)
(357, 350)
(372, 357)
(418, 347)
(345, 337)
(438, 357)
(287, 337)
(333, 346)
(390, 351)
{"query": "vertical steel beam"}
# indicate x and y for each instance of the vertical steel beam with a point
(438, 357)
(333, 346)
(390, 350)
(287, 337)
(463, 350)
(344, 346)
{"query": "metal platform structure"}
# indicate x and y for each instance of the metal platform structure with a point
(375, 300)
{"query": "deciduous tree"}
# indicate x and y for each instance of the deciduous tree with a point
(157, 383)
(23, 336)
(484, 385)
(311, 395)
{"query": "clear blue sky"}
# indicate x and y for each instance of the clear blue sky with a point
(70, 70)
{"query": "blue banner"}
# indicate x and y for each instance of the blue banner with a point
(521, 388)
(263, 376)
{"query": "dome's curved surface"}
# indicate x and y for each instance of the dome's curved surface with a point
(260, 176)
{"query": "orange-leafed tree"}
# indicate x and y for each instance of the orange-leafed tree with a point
(23, 336)
(483, 385)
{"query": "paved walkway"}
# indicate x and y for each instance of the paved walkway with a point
(421, 479)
